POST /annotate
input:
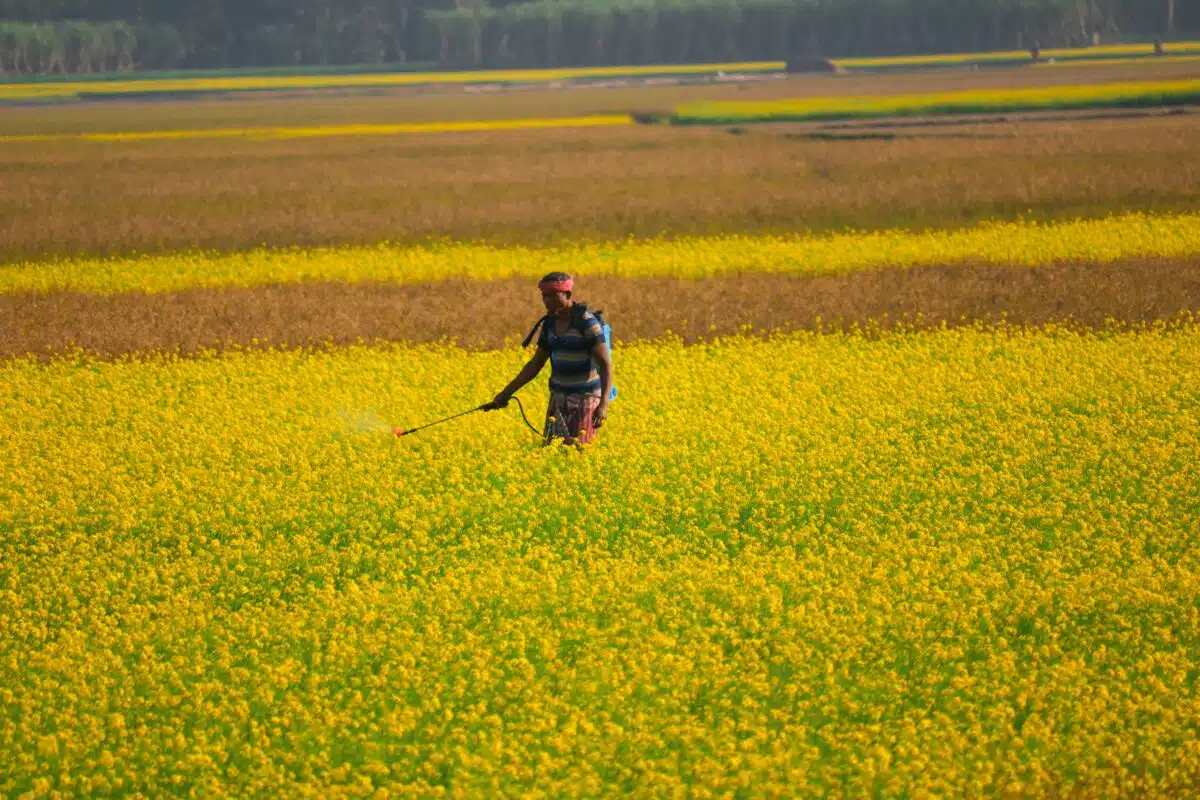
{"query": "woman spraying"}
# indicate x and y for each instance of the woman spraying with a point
(581, 374)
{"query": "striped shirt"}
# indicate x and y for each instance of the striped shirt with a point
(572, 368)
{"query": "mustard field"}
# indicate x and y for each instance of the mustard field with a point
(1028, 243)
(955, 563)
(894, 558)
(323, 131)
(1052, 56)
(1139, 94)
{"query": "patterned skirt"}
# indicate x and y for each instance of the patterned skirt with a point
(569, 417)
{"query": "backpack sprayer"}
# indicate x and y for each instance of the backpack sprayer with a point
(578, 312)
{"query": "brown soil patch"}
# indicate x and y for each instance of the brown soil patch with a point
(489, 315)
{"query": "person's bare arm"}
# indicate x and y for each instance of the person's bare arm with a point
(604, 366)
(527, 373)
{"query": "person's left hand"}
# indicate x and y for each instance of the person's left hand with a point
(600, 415)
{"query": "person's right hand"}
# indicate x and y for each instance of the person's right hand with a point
(500, 401)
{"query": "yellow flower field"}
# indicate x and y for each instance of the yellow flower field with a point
(970, 101)
(322, 131)
(1105, 53)
(1096, 241)
(957, 563)
(1082, 62)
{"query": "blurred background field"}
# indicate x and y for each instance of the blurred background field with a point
(441, 104)
(42, 88)
(525, 187)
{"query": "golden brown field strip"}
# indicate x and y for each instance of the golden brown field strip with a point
(495, 314)
(551, 186)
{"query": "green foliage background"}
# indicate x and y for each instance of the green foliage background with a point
(94, 36)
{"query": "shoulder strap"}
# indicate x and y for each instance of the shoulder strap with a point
(533, 331)
(578, 312)
(599, 315)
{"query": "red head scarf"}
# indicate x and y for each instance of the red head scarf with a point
(556, 286)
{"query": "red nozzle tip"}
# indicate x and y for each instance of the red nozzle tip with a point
(398, 432)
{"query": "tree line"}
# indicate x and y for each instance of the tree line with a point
(91, 36)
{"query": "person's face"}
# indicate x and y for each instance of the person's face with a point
(554, 301)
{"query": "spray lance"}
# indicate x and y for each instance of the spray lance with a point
(491, 406)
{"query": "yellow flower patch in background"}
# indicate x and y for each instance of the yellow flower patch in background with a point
(324, 131)
(1132, 94)
(1086, 241)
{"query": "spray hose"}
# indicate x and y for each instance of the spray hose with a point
(485, 407)
(521, 408)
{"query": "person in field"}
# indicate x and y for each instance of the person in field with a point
(581, 373)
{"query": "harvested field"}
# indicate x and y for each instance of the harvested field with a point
(649, 308)
(66, 199)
